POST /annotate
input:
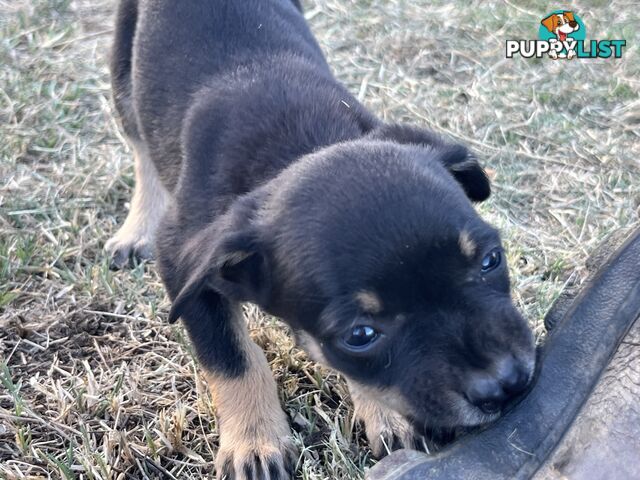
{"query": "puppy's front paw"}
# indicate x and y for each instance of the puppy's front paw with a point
(259, 456)
(386, 429)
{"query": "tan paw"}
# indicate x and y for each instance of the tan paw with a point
(389, 431)
(256, 457)
(386, 429)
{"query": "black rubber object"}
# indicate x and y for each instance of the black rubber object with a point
(571, 363)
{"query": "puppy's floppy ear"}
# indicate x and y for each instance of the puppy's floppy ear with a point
(466, 170)
(570, 16)
(550, 23)
(456, 158)
(223, 262)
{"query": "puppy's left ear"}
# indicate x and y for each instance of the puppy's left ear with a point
(226, 263)
(456, 158)
(466, 170)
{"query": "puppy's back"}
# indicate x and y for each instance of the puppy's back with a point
(181, 46)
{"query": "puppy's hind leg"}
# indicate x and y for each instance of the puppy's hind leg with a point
(150, 198)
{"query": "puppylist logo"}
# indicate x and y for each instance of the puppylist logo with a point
(562, 35)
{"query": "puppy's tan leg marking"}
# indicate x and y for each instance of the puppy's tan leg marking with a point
(255, 440)
(384, 427)
(148, 204)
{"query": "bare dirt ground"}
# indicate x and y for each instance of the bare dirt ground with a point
(95, 383)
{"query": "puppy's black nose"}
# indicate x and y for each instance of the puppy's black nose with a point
(573, 24)
(490, 390)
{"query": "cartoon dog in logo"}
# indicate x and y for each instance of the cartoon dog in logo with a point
(561, 25)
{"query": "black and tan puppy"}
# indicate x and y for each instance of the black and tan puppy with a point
(263, 180)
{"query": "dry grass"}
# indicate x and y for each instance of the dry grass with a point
(96, 385)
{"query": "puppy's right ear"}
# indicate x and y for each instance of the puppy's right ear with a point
(224, 263)
(208, 270)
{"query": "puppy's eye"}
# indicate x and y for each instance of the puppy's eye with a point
(491, 261)
(361, 337)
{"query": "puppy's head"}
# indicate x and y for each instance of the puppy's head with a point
(564, 23)
(373, 253)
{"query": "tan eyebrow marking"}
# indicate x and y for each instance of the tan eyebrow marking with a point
(369, 302)
(467, 244)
